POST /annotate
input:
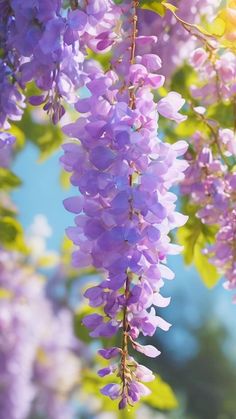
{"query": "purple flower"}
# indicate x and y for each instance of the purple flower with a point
(109, 352)
(112, 391)
(147, 350)
(74, 204)
(91, 321)
(123, 173)
(170, 105)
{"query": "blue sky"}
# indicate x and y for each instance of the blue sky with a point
(41, 192)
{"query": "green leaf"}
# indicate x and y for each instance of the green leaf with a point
(207, 271)
(222, 113)
(173, 10)
(195, 236)
(49, 260)
(170, 7)
(8, 179)
(153, 5)
(11, 234)
(188, 238)
(104, 59)
(5, 294)
(81, 332)
(187, 128)
(217, 27)
(46, 136)
(65, 179)
(19, 135)
(182, 80)
(162, 396)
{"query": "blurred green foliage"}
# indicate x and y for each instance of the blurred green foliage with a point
(195, 236)
(153, 5)
(11, 234)
(43, 134)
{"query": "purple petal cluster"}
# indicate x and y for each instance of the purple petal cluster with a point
(125, 210)
(43, 42)
(33, 379)
(211, 185)
(11, 98)
(174, 43)
(210, 179)
(217, 74)
(6, 148)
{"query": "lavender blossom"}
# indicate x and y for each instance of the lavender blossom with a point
(32, 357)
(125, 210)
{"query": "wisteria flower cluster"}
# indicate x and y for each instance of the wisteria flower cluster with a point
(43, 42)
(32, 357)
(210, 178)
(125, 211)
(174, 43)
(217, 75)
(211, 185)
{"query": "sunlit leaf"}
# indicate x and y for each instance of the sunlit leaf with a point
(192, 26)
(79, 329)
(65, 179)
(5, 294)
(153, 5)
(104, 59)
(217, 27)
(170, 7)
(206, 270)
(195, 236)
(46, 136)
(8, 180)
(11, 234)
(47, 261)
(19, 135)
(162, 396)
(183, 79)
(222, 113)
(224, 25)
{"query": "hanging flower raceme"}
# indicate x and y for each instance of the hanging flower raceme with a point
(211, 186)
(210, 177)
(174, 43)
(32, 358)
(45, 42)
(217, 75)
(125, 210)
(11, 99)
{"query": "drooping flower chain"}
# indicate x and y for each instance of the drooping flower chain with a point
(211, 178)
(32, 357)
(43, 42)
(125, 210)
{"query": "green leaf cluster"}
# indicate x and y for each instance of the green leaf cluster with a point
(195, 236)
(162, 396)
(11, 234)
(8, 180)
(153, 5)
(44, 135)
(102, 58)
